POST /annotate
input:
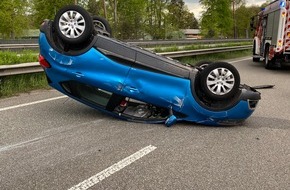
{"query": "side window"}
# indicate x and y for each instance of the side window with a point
(88, 93)
(94, 95)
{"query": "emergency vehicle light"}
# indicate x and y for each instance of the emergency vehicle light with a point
(282, 4)
(280, 43)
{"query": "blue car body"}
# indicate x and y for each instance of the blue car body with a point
(93, 70)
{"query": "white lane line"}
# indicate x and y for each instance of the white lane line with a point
(113, 169)
(21, 144)
(31, 103)
(241, 60)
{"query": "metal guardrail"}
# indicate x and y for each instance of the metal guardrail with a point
(185, 42)
(19, 41)
(188, 53)
(25, 68)
(18, 46)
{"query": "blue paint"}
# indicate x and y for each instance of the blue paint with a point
(95, 69)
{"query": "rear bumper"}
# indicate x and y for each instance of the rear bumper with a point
(244, 108)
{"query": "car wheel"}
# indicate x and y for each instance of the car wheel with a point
(73, 24)
(220, 80)
(102, 26)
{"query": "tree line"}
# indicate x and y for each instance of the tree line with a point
(136, 19)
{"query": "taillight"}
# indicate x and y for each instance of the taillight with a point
(43, 62)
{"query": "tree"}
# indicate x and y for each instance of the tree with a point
(43, 9)
(243, 16)
(113, 8)
(180, 17)
(94, 7)
(157, 22)
(175, 13)
(13, 17)
(130, 19)
(236, 4)
(188, 20)
(217, 19)
(131, 22)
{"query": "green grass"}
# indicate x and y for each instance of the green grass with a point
(173, 48)
(13, 85)
(215, 57)
(9, 57)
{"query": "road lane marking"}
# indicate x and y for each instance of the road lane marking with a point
(31, 103)
(113, 169)
(21, 144)
(246, 59)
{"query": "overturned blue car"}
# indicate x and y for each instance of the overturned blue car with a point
(83, 61)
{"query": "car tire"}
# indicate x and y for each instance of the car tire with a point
(268, 63)
(102, 26)
(220, 81)
(73, 24)
(202, 64)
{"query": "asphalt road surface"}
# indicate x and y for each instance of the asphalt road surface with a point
(48, 141)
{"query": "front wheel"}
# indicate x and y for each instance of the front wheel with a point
(73, 25)
(220, 81)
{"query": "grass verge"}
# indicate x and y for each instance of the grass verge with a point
(173, 48)
(13, 85)
(10, 58)
(215, 57)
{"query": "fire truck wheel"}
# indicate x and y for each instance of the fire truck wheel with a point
(220, 80)
(267, 62)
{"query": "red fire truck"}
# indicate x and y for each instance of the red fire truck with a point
(272, 34)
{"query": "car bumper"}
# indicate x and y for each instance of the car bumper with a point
(245, 107)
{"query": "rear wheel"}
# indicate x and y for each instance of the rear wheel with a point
(73, 25)
(102, 26)
(267, 62)
(220, 81)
